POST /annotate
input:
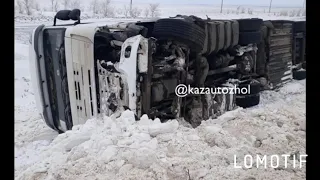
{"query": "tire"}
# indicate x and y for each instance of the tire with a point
(299, 26)
(212, 44)
(220, 36)
(299, 75)
(180, 30)
(206, 45)
(255, 88)
(228, 35)
(235, 33)
(253, 24)
(246, 38)
(248, 100)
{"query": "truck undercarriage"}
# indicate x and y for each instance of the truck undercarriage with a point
(169, 61)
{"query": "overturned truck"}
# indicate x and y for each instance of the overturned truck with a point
(85, 70)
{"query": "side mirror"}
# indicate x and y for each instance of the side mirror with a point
(75, 15)
(66, 15)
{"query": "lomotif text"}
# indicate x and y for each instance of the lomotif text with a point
(272, 161)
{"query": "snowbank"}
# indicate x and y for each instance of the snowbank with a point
(122, 148)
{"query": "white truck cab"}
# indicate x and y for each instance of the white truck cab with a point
(69, 80)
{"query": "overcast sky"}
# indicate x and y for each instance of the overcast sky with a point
(286, 3)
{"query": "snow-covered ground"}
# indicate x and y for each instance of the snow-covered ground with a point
(29, 126)
(121, 148)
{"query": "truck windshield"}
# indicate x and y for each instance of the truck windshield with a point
(56, 73)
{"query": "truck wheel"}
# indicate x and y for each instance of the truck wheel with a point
(246, 38)
(228, 35)
(210, 43)
(235, 33)
(248, 100)
(220, 36)
(180, 30)
(299, 75)
(251, 98)
(205, 49)
(213, 37)
(253, 24)
(255, 88)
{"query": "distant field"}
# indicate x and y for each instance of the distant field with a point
(167, 10)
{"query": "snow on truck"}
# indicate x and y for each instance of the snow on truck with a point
(84, 70)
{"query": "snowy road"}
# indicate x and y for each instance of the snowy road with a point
(120, 148)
